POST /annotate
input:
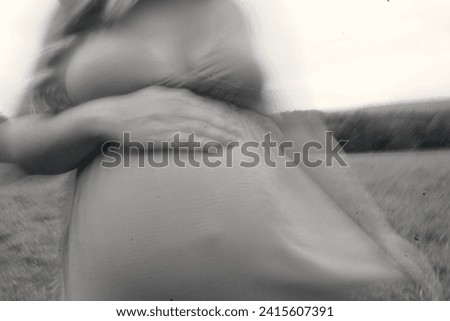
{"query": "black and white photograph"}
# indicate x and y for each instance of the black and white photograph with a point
(225, 150)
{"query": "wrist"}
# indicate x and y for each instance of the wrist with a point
(91, 122)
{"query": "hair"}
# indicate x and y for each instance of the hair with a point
(71, 20)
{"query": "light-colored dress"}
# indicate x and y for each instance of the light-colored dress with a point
(201, 233)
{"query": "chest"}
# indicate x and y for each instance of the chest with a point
(172, 44)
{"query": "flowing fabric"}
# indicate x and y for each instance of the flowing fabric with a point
(214, 234)
(197, 232)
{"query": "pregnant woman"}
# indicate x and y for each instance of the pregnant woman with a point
(154, 68)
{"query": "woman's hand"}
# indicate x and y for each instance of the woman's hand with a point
(53, 144)
(157, 114)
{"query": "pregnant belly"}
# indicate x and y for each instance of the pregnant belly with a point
(212, 233)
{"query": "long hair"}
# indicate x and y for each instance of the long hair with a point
(69, 22)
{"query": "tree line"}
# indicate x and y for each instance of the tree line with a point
(391, 130)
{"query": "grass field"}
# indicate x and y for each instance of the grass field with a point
(413, 188)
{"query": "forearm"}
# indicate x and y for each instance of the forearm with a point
(51, 144)
(48, 144)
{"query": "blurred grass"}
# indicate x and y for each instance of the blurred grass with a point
(32, 210)
(412, 187)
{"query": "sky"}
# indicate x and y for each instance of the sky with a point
(317, 54)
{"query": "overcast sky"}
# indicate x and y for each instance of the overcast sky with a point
(323, 54)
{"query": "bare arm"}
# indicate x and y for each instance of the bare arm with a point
(49, 144)
(343, 186)
(52, 144)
